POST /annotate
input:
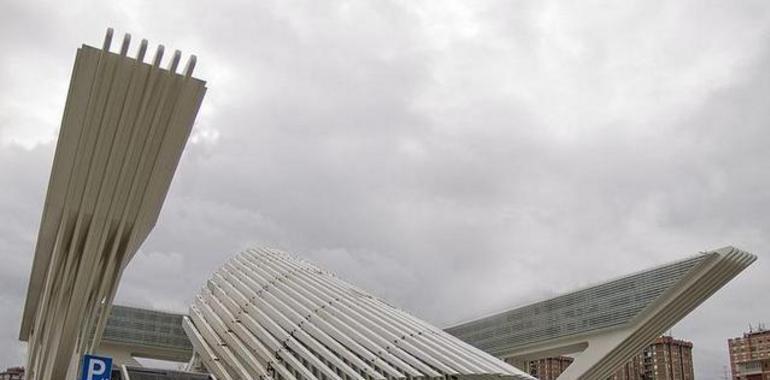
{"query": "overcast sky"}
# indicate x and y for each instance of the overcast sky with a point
(455, 158)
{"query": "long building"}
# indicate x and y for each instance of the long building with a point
(133, 333)
(750, 355)
(607, 323)
(124, 128)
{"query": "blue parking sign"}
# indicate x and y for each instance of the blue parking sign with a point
(96, 368)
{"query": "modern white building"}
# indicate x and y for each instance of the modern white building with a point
(268, 315)
(265, 314)
(607, 324)
(264, 307)
(124, 127)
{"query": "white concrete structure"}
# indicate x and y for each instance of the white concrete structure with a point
(125, 125)
(605, 324)
(267, 315)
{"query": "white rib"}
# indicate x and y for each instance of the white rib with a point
(373, 322)
(379, 357)
(209, 358)
(441, 343)
(264, 302)
(124, 127)
(347, 346)
(276, 324)
(290, 321)
(311, 328)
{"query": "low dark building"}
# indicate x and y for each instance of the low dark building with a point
(12, 373)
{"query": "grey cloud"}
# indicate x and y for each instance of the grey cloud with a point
(24, 174)
(454, 159)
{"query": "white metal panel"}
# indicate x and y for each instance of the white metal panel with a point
(347, 346)
(336, 304)
(292, 323)
(207, 354)
(412, 329)
(325, 328)
(124, 127)
(386, 340)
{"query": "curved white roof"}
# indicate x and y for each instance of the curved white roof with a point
(266, 314)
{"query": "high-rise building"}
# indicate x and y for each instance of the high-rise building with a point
(548, 368)
(634, 369)
(665, 359)
(750, 355)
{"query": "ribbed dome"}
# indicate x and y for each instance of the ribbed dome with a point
(266, 314)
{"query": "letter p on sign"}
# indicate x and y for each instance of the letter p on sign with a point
(96, 368)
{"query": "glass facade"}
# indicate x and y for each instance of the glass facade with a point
(610, 304)
(146, 328)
